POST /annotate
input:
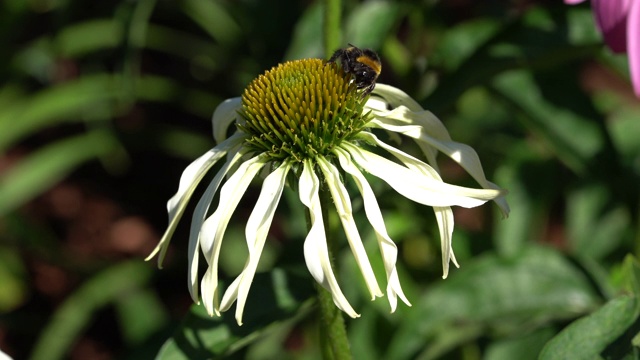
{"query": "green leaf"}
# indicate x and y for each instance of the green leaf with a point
(587, 337)
(306, 39)
(595, 226)
(370, 23)
(77, 310)
(276, 300)
(573, 138)
(72, 101)
(504, 296)
(461, 41)
(40, 170)
(143, 314)
(165, 90)
(631, 275)
(514, 233)
(213, 18)
(522, 347)
(183, 45)
(625, 131)
(14, 279)
(83, 38)
(581, 27)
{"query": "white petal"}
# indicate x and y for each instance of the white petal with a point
(376, 104)
(256, 235)
(425, 119)
(408, 160)
(209, 293)
(388, 248)
(395, 97)
(444, 215)
(189, 180)
(418, 187)
(214, 227)
(225, 114)
(198, 219)
(316, 253)
(343, 206)
(460, 153)
(4, 356)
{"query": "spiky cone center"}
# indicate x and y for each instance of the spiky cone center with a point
(301, 109)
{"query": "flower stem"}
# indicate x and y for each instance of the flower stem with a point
(331, 26)
(333, 333)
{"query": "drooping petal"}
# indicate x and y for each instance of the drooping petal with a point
(460, 153)
(214, 227)
(342, 203)
(444, 214)
(418, 187)
(633, 45)
(256, 234)
(387, 247)
(444, 217)
(316, 253)
(189, 180)
(611, 17)
(197, 220)
(402, 115)
(224, 115)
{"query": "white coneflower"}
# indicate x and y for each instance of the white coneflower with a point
(306, 118)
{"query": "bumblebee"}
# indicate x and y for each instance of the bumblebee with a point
(363, 64)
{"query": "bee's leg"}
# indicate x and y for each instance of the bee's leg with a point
(335, 55)
(367, 90)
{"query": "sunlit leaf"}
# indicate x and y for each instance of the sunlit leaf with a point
(587, 337)
(491, 293)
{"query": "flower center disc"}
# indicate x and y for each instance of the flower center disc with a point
(301, 109)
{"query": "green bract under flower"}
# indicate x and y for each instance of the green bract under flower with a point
(308, 115)
(301, 109)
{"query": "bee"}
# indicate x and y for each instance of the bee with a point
(363, 64)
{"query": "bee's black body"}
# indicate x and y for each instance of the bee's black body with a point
(364, 64)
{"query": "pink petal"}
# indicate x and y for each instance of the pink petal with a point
(611, 16)
(633, 45)
(573, 2)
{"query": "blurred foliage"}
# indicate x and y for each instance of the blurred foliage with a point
(102, 104)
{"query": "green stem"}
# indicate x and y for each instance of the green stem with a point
(333, 333)
(331, 26)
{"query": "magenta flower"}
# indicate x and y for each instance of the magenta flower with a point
(619, 23)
